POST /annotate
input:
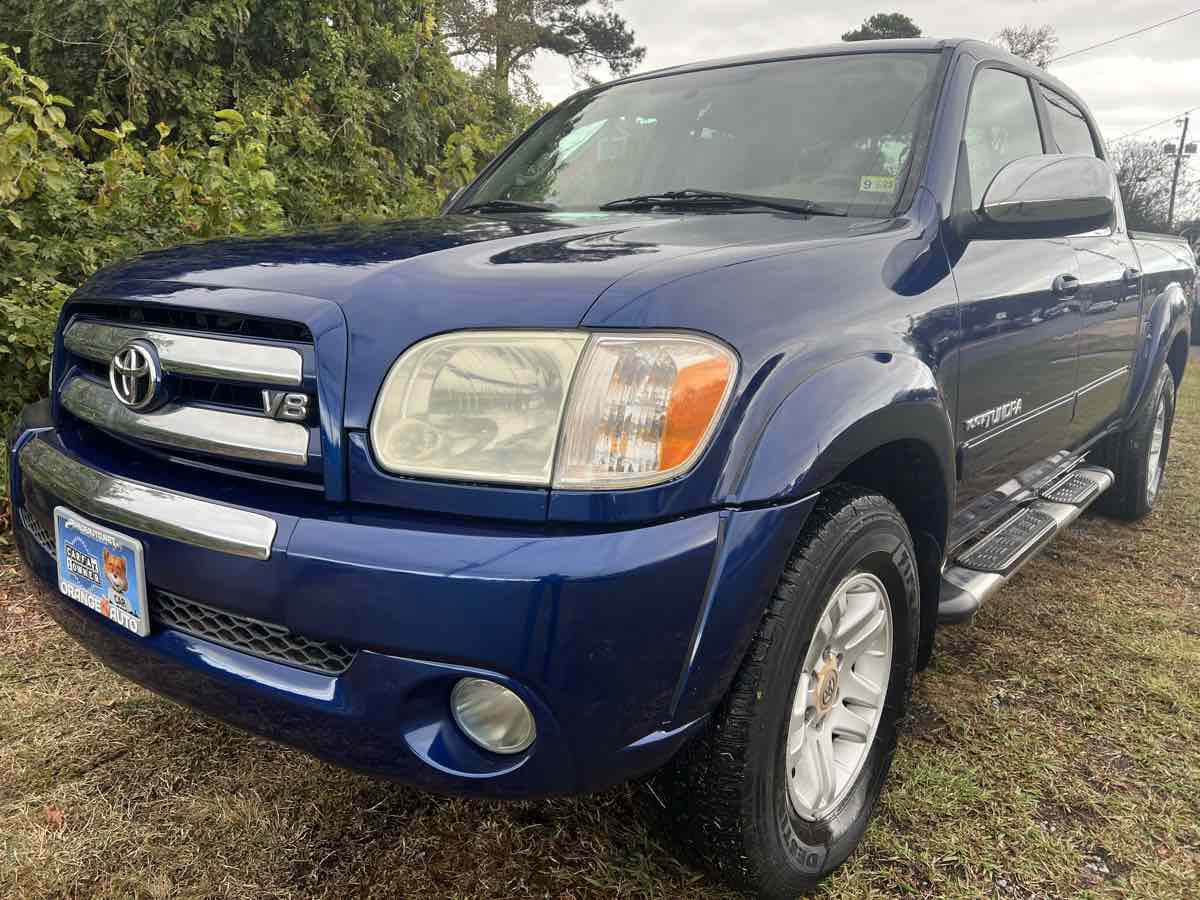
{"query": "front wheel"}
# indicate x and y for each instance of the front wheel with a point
(778, 791)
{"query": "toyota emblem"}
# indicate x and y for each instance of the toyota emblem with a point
(135, 374)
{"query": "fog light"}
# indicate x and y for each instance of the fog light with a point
(492, 716)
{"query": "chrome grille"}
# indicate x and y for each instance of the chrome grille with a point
(44, 538)
(183, 318)
(190, 354)
(212, 404)
(237, 436)
(273, 642)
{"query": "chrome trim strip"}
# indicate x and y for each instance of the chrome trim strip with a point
(176, 517)
(1100, 382)
(1045, 408)
(1015, 423)
(227, 434)
(187, 354)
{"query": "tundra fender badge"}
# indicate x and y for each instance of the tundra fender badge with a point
(997, 415)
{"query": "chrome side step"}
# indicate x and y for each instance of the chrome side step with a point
(1020, 536)
(985, 567)
(1078, 488)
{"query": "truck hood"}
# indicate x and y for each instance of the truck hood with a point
(365, 265)
(397, 283)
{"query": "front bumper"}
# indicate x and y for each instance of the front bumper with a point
(621, 641)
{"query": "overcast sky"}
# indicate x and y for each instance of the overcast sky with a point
(1128, 85)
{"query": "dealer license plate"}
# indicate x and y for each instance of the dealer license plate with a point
(102, 569)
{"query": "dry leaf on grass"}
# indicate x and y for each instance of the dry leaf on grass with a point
(55, 817)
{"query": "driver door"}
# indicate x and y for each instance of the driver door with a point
(1019, 323)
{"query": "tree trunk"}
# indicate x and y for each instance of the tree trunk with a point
(504, 52)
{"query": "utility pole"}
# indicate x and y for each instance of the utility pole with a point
(1175, 179)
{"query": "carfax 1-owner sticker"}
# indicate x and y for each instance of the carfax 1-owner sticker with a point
(102, 569)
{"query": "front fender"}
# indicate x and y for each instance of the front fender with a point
(1167, 319)
(833, 418)
(839, 415)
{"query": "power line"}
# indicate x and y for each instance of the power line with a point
(1180, 115)
(1130, 34)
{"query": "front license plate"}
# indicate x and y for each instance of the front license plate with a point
(102, 569)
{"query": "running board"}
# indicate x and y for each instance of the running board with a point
(987, 565)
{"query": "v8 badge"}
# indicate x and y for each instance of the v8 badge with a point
(285, 405)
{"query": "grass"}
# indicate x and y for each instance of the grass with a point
(1053, 751)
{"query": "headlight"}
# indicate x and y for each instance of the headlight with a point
(477, 406)
(618, 410)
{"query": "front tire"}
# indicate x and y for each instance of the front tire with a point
(1138, 457)
(778, 791)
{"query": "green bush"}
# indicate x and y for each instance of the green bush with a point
(62, 216)
(80, 189)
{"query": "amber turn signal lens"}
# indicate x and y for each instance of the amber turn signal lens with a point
(698, 391)
(643, 407)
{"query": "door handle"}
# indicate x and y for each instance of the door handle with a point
(1132, 274)
(1065, 286)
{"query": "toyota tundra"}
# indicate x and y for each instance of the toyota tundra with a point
(660, 454)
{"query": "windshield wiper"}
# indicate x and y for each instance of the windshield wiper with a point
(703, 195)
(507, 206)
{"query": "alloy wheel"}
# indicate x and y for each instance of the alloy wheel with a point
(839, 696)
(1155, 463)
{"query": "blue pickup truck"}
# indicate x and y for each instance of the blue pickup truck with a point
(662, 453)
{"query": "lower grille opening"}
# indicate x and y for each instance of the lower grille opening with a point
(273, 642)
(44, 538)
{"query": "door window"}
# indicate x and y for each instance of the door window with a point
(1068, 126)
(1002, 126)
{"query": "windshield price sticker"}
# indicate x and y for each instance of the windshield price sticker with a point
(877, 184)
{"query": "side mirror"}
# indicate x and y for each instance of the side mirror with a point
(1048, 196)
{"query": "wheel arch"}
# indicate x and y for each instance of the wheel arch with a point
(867, 419)
(879, 421)
(908, 474)
(1165, 342)
(1177, 357)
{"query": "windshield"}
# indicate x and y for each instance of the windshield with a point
(835, 130)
